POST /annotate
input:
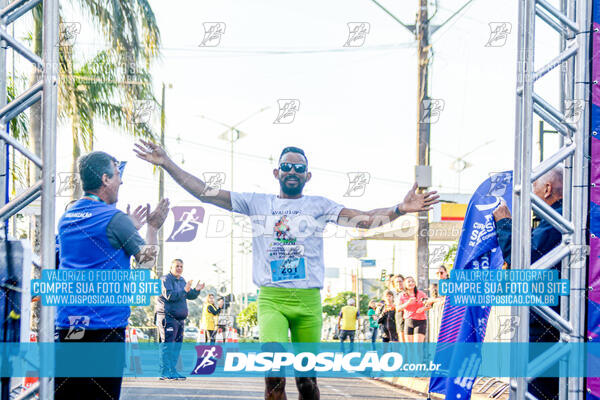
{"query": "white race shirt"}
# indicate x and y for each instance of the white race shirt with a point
(287, 240)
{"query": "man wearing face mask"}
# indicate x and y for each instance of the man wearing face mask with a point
(544, 237)
(287, 247)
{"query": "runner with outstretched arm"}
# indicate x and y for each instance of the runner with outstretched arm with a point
(287, 246)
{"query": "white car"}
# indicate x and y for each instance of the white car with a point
(191, 332)
(254, 333)
(142, 335)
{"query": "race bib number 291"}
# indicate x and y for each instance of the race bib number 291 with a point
(290, 269)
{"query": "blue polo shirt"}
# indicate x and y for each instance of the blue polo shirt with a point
(87, 241)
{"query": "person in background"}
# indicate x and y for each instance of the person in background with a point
(433, 291)
(94, 234)
(171, 312)
(347, 323)
(442, 272)
(221, 320)
(373, 324)
(389, 282)
(209, 317)
(412, 302)
(387, 318)
(544, 238)
(398, 289)
(434, 295)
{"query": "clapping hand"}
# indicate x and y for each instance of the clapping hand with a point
(139, 216)
(157, 217)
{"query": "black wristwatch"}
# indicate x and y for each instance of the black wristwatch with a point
(397, 211)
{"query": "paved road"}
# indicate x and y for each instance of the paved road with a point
(251, 388)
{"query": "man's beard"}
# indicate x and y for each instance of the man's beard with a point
(291, 191)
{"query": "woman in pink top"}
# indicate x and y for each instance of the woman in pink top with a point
(412, 302)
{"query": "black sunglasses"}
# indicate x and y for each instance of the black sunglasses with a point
(287, 167)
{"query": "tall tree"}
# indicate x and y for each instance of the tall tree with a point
(103, 89)
(133, 37)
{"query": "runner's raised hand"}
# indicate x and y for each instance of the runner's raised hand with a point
(414, 202)
(151, 152)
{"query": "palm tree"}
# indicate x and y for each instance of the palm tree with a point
(132, 32)
(101, 89)
(19, 127)
(19, 124)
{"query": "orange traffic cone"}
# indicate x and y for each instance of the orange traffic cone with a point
(135, 357)
(30, 380)
(220, 336)
(201, 337)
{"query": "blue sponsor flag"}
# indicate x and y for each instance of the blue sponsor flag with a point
(477, 249)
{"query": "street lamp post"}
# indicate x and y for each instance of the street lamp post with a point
(232, 135)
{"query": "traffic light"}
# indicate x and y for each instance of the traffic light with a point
(383, 275)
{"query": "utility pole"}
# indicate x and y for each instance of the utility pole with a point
(394, 259)
(542, 132)
(161, 186)
(232, 134)
(423, 134)
(422, 31)
(235, 135)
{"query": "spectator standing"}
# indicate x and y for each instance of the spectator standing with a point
(434, 295)
(412, 302)
(373, 324)
(209, 318)
(221, 319)
(387, 318)
(398, 289)
(94, 234)
(544, 237)
(347, 323)
(171, 312)
(442, 272)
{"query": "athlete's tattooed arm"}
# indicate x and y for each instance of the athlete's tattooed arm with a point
(413, 202)
(156, 155)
